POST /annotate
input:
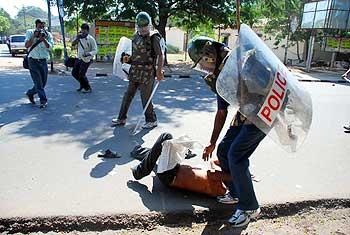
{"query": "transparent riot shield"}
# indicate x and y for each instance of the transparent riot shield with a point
(121, 70)
(256, 82)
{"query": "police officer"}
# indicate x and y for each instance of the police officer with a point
(240, 141)
(146, 64)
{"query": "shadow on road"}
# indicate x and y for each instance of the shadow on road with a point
(121, 142)
(86, 117)
(164, 199)
(73, 117)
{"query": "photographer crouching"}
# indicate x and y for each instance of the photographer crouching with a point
(38, 42)
(87, 49)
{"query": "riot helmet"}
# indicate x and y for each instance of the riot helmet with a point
(201, 47)
(143, 23)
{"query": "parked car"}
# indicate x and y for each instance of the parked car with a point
(17, 44)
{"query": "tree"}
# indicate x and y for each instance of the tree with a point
(5, 22)
(26, 16)
(160, 10)
(278, 15)
(250, 12)
(89, 10)
(72, 25)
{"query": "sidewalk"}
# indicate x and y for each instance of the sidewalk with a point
(183, 69)
(175, 69)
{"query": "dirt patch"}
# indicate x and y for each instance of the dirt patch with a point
(151, 221)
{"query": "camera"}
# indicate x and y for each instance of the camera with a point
(41, 33)
(82, 35)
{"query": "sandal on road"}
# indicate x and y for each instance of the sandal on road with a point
(109, 154)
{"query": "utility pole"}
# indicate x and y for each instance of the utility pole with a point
(238, 15)
(286, 46)
(49, 29)
(60, 8)
(24, 17)
(77, 22)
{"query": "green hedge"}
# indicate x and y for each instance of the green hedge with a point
(57, 52)
(170, 49)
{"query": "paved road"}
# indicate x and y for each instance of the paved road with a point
(49, 164)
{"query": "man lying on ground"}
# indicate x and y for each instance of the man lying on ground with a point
(174, 174)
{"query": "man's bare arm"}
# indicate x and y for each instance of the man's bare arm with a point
(219, 122)
(159, 72)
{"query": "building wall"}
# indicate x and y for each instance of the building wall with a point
(291, 52)
(175, 37)
(278, 50)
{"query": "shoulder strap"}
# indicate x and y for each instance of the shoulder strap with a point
(81, 44)
(154, 34)
(35, 44)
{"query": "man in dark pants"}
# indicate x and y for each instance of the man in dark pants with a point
(240, 141)
(87, 49)
(146, 63)
(37, 61)
(181, 176)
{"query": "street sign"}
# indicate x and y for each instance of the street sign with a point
(108, 34)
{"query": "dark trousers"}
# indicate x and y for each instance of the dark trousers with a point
(79, 73)
(145, 91)
(149, 158)
(38, 71)
(233, 153)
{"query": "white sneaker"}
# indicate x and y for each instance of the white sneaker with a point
(119, 122)
(227, 199)
(149, 125)
(241, 218)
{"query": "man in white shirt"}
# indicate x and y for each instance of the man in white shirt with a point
(87, 49)
(39, 42)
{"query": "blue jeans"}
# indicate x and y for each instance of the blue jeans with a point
(233, 153)
(38, 72)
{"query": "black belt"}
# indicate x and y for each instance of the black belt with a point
(37, 59)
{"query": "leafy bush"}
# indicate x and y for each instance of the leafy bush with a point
(57, 52)
(172, 49)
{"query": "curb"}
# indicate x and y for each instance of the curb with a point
(165, 75)
(177, 76)
(330, 81)
(150, 220)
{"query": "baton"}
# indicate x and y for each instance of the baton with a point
(144, 110)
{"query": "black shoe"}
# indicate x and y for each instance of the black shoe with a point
(347, 128)
(135, 173)
(189, 154)
(43, 105)
(80, 88)
(31, 98)
(87, 90)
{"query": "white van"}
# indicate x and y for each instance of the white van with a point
(17, 44)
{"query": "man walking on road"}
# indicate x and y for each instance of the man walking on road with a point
(146, 63)
(87, 49)
(40, 43)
